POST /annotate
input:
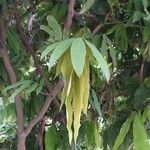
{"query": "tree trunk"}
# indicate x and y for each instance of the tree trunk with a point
(21, 143)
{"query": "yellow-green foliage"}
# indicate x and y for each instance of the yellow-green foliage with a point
(73, 58)
(75, 93)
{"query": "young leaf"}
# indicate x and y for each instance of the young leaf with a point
(139, 134)
(123, 131)
(78, 91)
(69, 115)
(53, 24)
(67, 75)
(49, 49)
(86, 92)
(88, 4)
(98, 56)
(78, 53)
(57, 53)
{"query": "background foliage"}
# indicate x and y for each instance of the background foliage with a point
(118, 110)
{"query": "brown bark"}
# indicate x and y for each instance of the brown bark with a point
(22, 134)
(39, 68)
(44, 108)
(13, 79)
(70, 14)
(40, 136)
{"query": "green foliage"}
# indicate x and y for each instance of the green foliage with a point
(51, 139)
(78, 54)
(86, 6)
(139, 134)
(107, 39)
(123, 131)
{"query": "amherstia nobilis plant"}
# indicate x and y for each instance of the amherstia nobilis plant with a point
(73, 58)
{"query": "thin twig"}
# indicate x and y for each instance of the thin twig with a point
(99, 26)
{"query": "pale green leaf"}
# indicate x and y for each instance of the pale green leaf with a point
(78, 53)
(123, 132)
(69, 115)
(53, 24)
(137, 16)
(86, 6)
(98, 56)
(57, 53)
(49, 49)
(139, 134)
(145, 3)
(96, 102)
(47, 29)
(17, 84)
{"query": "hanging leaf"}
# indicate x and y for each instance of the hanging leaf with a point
(98, 56)
(78, 53)
(60, 49)
(77, 103)
(123, 132)
(139, 134)
(86, 86)
(67, 76)
(86, 6)
(69, 115)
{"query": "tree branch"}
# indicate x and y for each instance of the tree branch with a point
(70, 14)
(29, 48)
(12, 77)
(44, 108)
